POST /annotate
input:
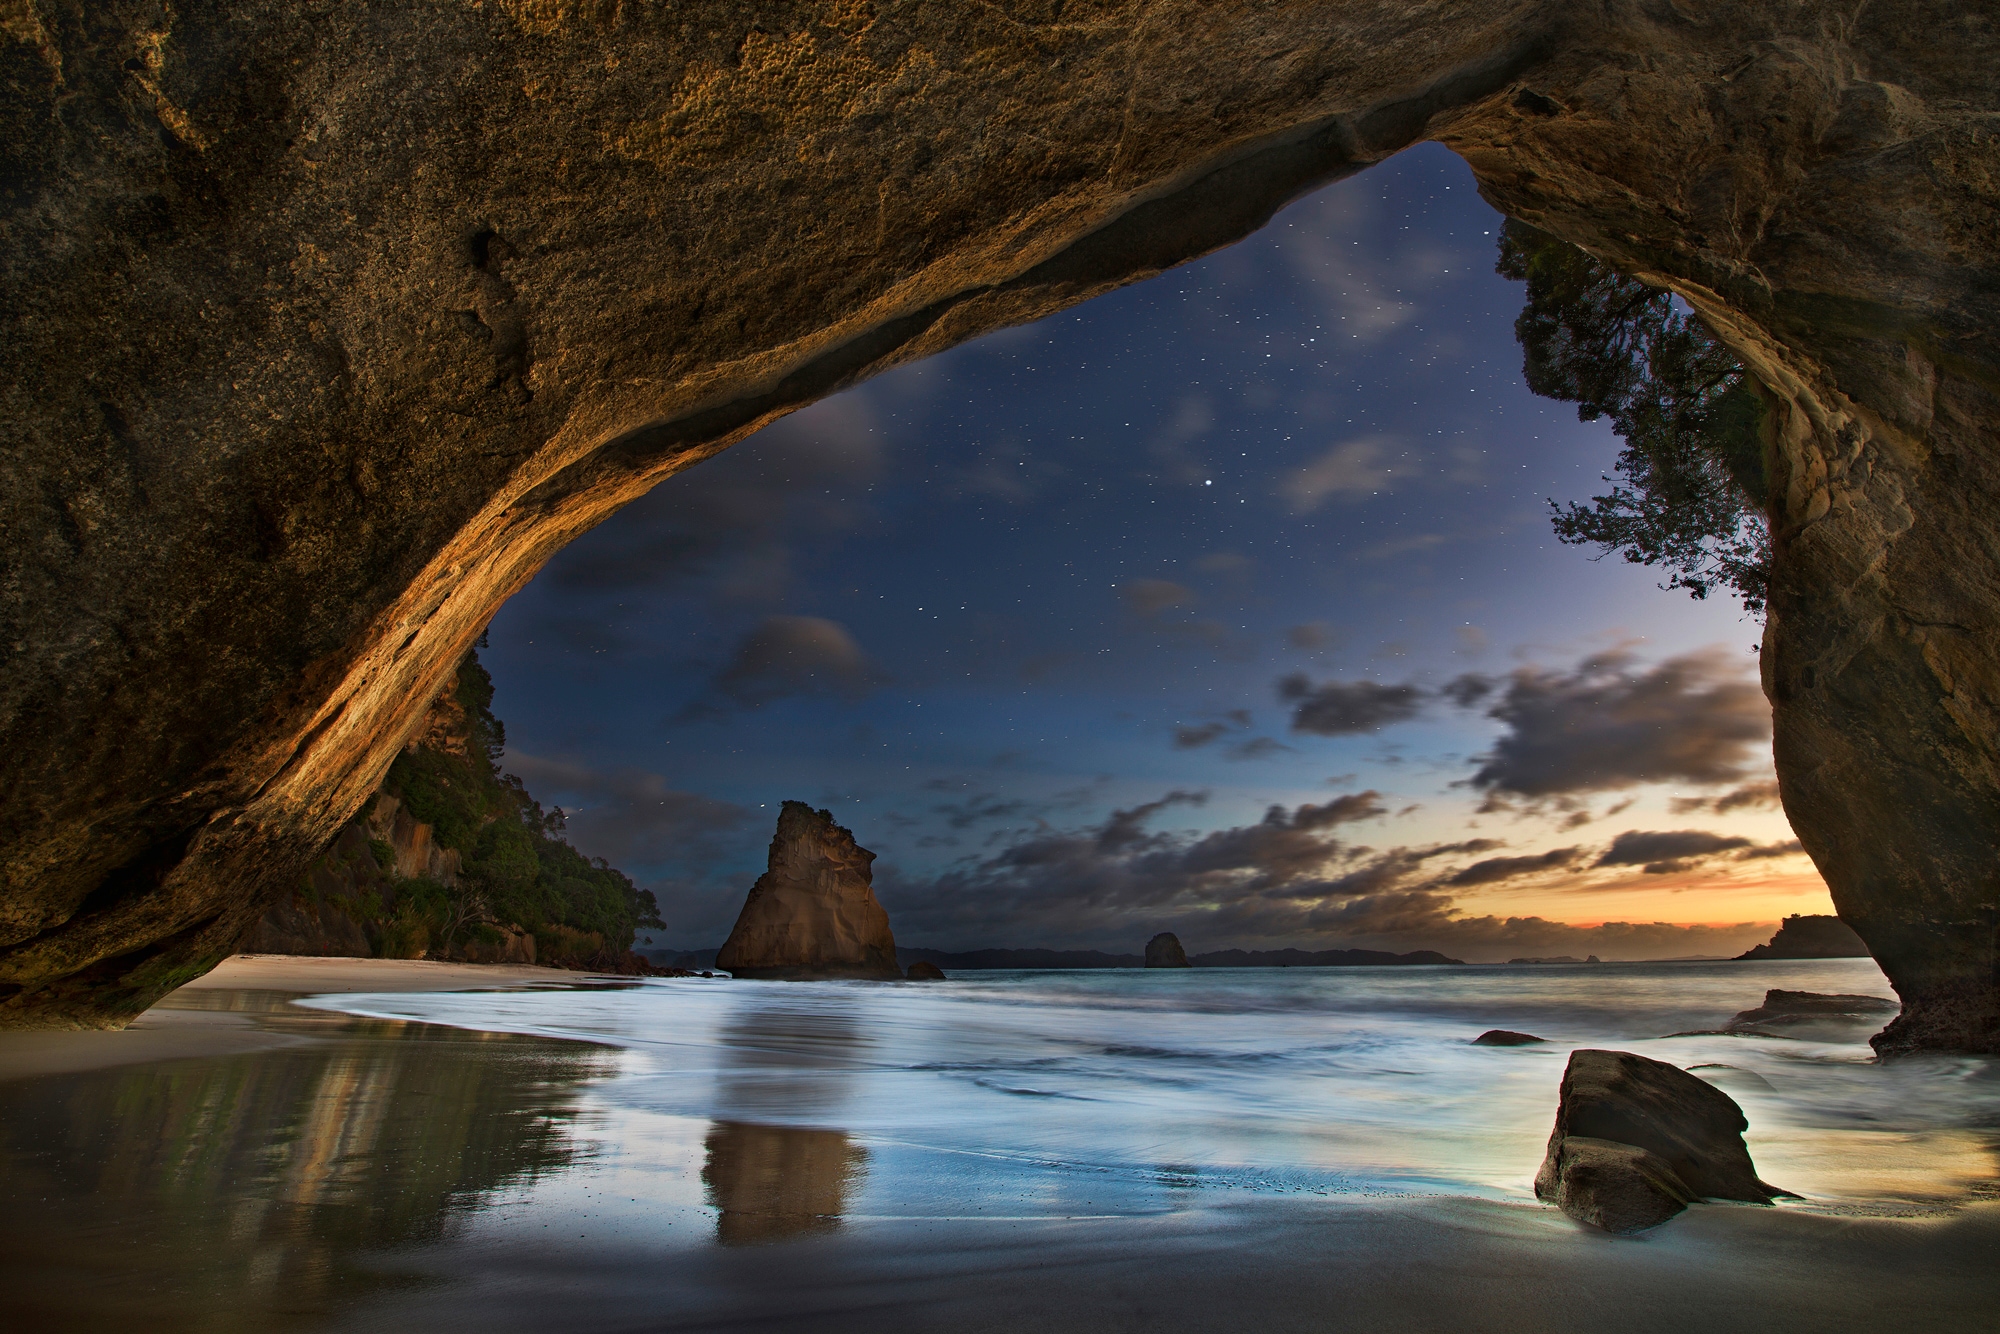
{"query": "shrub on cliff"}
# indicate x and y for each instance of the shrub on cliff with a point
(1691, 489)
(514, 865)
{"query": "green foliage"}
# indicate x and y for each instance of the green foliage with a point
(383, 853)
(514, 866)
(1692, 487)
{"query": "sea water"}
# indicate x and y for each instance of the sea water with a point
(668, 1152)
(995, 1093)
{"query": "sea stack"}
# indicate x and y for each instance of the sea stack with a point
(813, 913)
(1164, 951)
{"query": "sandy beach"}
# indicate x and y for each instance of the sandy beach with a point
(210, 1016)
(238, 1161)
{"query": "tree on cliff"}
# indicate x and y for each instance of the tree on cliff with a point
(1691, 489)
(515, 865)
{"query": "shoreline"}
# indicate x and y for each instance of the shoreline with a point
(181, 1027)
(1212, 1259)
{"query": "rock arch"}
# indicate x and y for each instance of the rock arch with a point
(327, 325)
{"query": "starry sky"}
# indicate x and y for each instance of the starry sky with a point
(1224, 604)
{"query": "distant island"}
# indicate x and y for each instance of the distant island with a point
(1810, 936)
(975, 960)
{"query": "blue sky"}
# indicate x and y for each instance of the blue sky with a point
(1228, 534)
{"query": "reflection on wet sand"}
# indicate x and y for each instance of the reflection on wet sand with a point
(774, 1182)
(783, 1060)
(213, 1193)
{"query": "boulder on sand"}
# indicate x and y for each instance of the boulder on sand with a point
(813, 913)
(924, 971)
(1164, 951)
(1636, 1140)
(1504, 1037)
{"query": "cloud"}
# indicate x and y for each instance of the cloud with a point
(1225, 562)
(1194, 738)
(1313, 636)
(1666, 851)
(729, 524)
(1341, 810)
(1349, 470)
(1344, 708)
(1194, 417)
(1150, 597)
(1750, 796)
(1257, 748)
(629, 816)
(1287, 879)
(1496, 869)
(1608, 724)
(790, 655)
(1785, 849)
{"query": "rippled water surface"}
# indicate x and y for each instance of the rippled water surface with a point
(523, 1157)
(1046, 1091)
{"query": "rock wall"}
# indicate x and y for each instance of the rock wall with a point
(813, 913)
(314, 917)
(327, 325)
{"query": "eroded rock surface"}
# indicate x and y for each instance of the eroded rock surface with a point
(1618, 1187)
(813, 914)
(325, 327)
(1636, 1140)
(1164, 951)
(1813, 1015)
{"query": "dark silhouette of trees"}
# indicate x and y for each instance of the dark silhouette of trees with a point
(1691, 487)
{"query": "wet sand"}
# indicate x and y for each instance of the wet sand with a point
(212, 1015)
(1448, 1265)
(237, 1162)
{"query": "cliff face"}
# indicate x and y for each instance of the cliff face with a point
(326, 327)
(813, 914)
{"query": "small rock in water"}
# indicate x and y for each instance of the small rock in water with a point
(1680, 1137)
(1502, 1037)
(1164, 951)
(924, 971)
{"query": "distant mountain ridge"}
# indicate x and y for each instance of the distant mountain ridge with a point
(977, 960)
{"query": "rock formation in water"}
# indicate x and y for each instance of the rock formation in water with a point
(323, 335)
(1505, 1037)
(1164, 951)
(925, 971)
(813, 913)
(1636, 1140)
(1812, 1014)
(1817, 936)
